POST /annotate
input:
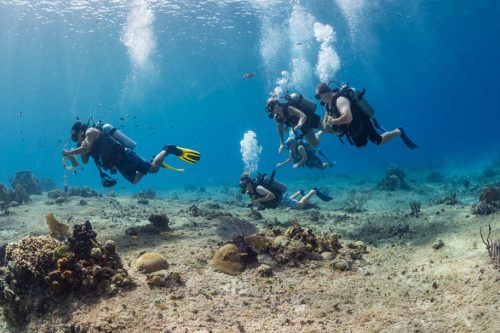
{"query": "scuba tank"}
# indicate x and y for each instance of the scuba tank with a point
(118, 135)
(301, 103)
(356, 97)
(269, 180)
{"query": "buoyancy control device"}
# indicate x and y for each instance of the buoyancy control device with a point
(356, 97)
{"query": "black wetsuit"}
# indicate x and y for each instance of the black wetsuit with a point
(360, 130)
(109, 154)
(312, 120)
(267, 204)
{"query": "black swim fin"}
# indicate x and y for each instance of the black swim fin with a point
(322, 195)
(410, 144)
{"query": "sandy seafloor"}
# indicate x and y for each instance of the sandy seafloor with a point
(401, 285)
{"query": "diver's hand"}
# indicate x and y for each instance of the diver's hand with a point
(297, 165)
(330, 120)
(173, 149)
(278, 165)
(66, 153)
(282, 147)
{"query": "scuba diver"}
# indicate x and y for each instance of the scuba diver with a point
(112, 150)
(297, 113)
(266, 192)
(349, 114)
(303, 154)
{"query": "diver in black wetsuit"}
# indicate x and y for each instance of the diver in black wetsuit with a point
(347, 114)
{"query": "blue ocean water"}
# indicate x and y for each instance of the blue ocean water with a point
(172, 72)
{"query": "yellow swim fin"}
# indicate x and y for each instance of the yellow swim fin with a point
(185, 154)
(171, 168)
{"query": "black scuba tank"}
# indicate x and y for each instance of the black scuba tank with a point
(300, 102)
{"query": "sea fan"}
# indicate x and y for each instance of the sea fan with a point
(230, 227)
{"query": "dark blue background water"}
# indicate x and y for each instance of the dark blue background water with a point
(429, 65)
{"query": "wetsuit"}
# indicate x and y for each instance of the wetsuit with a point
(360, 130)
(312, 120)
(110, 154)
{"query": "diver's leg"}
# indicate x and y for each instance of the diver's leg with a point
(311, 138)
(305, 199)
(295, 195)
(137, 178)
(157, 161)
(387, 136)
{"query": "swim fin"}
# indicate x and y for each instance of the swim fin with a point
(187, 155)
(410, 144)
(322, 195)
(171, 168)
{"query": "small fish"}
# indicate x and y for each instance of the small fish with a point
(21, 113)
(299, 43)
(248, 75)
(77, 118)
(122, 119)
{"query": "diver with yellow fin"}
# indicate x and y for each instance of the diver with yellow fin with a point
(112, 150)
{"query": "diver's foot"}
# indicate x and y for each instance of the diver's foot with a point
(172, 149)
(327, 165)
(322, 196)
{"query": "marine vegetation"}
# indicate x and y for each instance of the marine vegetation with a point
(356, 200)
(230, 227)
(493, 246)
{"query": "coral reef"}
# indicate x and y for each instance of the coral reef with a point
(13, 197)
(158, 223)
(489, 201)
(228, 259)
(394, 180)
(27, 181)
(230, 227)
(165, 279)
(291, 247)
(151, 262)
(43, 270)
